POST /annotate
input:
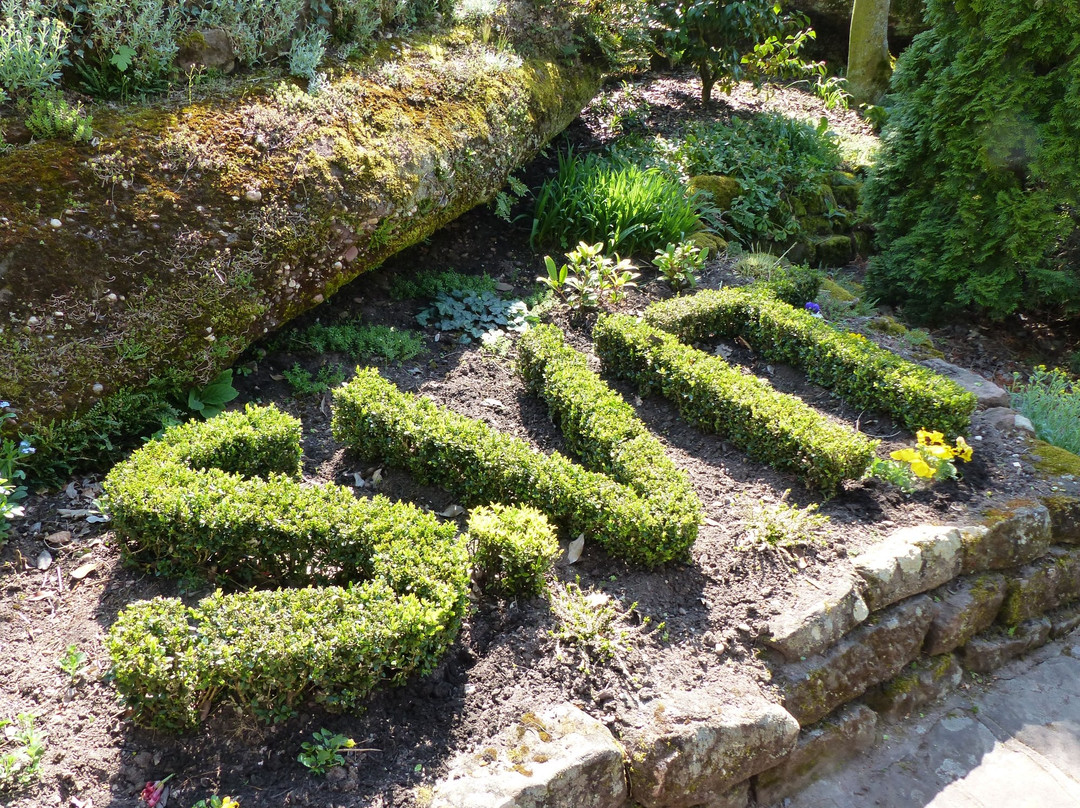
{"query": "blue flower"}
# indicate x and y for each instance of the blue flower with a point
(25, 448)
(813, 308)
(5, 404)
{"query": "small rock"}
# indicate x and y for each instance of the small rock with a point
(253, 195)
(55, 223)
(1023, 423)
(986, 392)
(98, 388)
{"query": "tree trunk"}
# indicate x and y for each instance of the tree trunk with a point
(708, 79)
(869, 63)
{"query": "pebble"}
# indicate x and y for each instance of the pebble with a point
(98, 388)
(55, 223)
(253, 195)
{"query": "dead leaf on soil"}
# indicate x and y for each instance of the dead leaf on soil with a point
(277, 377)
(83, 570)
(493, 403)
(41, 594)
(74, 513)
(575, 548)
(376, 477)
(358, 480)
(452, 511)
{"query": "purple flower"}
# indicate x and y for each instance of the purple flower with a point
(813, 308)
(4, 404)
(25, 448)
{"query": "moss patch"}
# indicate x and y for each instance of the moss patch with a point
(1053, 460)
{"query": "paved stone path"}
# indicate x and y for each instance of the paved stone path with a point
(1013, 742)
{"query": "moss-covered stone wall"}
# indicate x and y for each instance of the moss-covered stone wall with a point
(190, 229)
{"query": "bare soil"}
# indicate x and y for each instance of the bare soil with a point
(506, 661)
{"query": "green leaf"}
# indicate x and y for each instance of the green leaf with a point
(123, 58)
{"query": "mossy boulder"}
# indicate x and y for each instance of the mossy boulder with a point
(723, 190)
(834, 251)
(836, 291)
(710, 241)
(192, 229)
(847, 196)
(820, 201)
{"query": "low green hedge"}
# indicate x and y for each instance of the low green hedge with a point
(600, 428)
(770, 426)
(513, 548)
(183, 505)
(480, 466)
(863, 374)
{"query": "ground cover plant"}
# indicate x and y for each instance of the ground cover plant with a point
(1051, 399)
(588, 638)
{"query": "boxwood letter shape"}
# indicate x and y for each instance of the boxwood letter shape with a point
(223, 497)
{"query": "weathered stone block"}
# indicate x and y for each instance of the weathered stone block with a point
(1046, 584)
(909, 561)
(985, 391)
(924, 682)
(1018, 538)
(963, 608)
(872, 653)
(560, 757)
(1064, 519)
(821, 750)
(1063, 621)
(688, 747)
(723, 190)
(996, 647)
(834, 251)
(806, 631)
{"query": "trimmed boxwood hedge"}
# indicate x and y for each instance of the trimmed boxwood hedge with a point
(859, 371)
(480, 466)
(223, 498)
(770, 426)
(513, 547)
(600, 428)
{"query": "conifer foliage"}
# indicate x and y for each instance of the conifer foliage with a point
(976, 194)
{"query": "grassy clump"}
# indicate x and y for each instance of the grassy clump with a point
(772, 427)
(796, 285)
(513, 549)
(1051, 400)
(305, 383)
(480, 465)
(222, 498)
(783, 525)
(865, 375)
(633, 209)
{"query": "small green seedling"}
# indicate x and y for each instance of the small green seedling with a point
(22, 747)
(323, 752)
(73, 663)
(211, 400)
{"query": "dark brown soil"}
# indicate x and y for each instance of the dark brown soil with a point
(506, 661)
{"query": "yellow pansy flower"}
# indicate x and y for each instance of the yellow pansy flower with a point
(921, 469)
(927, 438)
(907, 455)
(940, 452)
(963, 450)
(229, 802)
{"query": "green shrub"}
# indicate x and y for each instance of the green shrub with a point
(513, 549)
(590, 278)
(433, 283)
(772, 427)
(33, 45)
(600, 428)
(135, 40)
(222, 498)
(863, 374)
(975, 191)
(796, 285)
(777, 161)
(1052, 402)
(481, 466)
(635, 210)
(356, 340)
(52, 116)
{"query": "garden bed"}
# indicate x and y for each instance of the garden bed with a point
(706, 618)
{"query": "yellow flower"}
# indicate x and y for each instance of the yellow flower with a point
(907, 455)
(921, 469)
(926, 438)
(229, 802)
(963, 450)
(940, 452)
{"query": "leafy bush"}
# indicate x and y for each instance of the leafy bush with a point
(863, 374)
(777, 161)
(679, 264)
(307, 51)
(136, 37)
(513, 549)
(432, 283)
(474, 314)
(52, 116)
(633, 209)
(258, 30)
(975, 191)
(600, 428)
(323, 751)
(356, 340)
(772, 427)
(589, 277)
(33, 45)
(1052, 402)
(481, 466)
(222, 498)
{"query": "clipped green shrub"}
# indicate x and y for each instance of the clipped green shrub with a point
(769, 426)
(975, 192)
(513, 548)
(633, 209)
(223, 498)
(863, 374)
(481, 466)
(600, 428)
